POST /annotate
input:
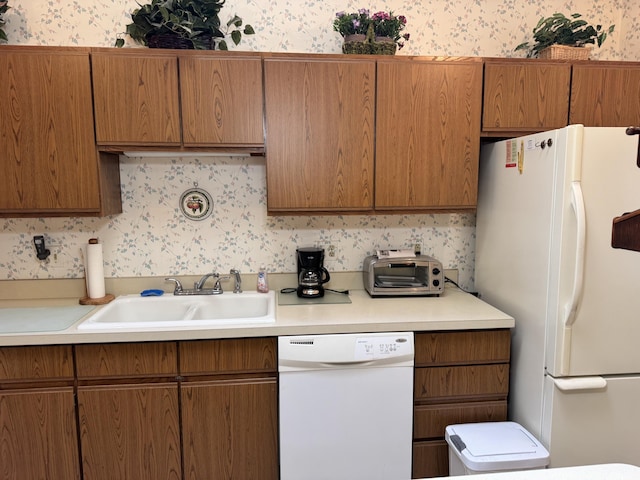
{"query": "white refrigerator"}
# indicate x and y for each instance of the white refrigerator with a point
(547, 206)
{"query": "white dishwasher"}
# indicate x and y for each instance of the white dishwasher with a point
(346, 406)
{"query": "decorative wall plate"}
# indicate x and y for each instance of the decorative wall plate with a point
(196, 203)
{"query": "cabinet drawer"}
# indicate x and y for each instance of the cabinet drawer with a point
(24, 364)
(430, 459)
(430, 421)
(126, 360)
(467, 347)
(438, 384)
(242, 355)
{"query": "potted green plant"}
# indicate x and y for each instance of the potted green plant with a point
(563, 31)
(184, 24)
(379, 33)
(4, 6)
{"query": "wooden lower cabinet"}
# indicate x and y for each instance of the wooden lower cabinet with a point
(38, 436)
(230, 429)
(460, 377)
(38, 433)
(229, 400)
(130, 431)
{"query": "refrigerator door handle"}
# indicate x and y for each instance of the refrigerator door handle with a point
(580, 383)
(577, 203)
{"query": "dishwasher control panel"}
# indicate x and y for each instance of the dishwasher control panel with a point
(349, 350)
(374, 348)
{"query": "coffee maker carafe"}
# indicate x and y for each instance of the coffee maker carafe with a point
(311, 272)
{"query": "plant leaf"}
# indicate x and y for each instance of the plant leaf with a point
(248, 30)
(236, 36)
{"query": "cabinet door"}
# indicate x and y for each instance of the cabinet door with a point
(525, 96)
(129, 431)
(38, 434)
(320, 124)
(427, 135)
(49, 160)
(230, 429)
(605, 95)
(222, 101)
(136, 98)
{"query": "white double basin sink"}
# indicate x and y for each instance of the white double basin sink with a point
(173, 311)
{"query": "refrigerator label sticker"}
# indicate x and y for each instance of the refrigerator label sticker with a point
(531, 144)
(512, 154)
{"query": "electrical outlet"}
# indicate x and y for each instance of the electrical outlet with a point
(417, 248)
(331, 251)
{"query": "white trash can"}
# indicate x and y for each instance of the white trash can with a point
(493, 447)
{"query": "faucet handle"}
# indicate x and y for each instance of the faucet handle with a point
(237, 287)
(178, 288)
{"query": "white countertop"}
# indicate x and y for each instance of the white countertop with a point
(454, 310)
(612, 471)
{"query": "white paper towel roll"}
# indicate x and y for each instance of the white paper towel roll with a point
(94, 269)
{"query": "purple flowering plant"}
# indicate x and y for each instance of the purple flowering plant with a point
(385, 24)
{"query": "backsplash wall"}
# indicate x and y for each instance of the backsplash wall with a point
(151, 237)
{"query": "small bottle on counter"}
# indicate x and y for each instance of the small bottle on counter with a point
(263, 285)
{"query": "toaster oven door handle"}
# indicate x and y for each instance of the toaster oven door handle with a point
(402, 265)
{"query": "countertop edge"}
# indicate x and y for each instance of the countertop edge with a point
(455, 310)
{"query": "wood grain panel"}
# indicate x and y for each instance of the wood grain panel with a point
(427, 134)
(130, 432)
(439, 384)
(430, 459)
(430, 421)
(320, 134)
(38, 435)
(242, 355)
(113, 360)
(467, 347)
(605, 95)
(46, 126)
(230, 430)
(222, 100)
(525, 95)
(37, 363)
(136, 98)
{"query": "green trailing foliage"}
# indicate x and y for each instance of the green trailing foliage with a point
(4, 6)
(195, 20)
(561, 30)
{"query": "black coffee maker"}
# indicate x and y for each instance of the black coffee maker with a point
(311, 272)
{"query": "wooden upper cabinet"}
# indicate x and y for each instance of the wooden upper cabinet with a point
(50, 166)
(136, 98)
(320, 134)
(222, 101)
(605, 94)
(525, 96)
(427, 134)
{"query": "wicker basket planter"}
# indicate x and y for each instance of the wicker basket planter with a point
(565, 52)
(368, 44)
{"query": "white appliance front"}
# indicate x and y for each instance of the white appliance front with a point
(592, 426)
(544, 256)
(342, 416)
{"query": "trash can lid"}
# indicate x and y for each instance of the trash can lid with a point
(496, 446)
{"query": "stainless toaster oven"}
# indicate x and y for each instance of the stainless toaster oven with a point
(398, 276)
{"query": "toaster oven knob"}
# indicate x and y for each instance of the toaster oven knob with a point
(436, 283)
(436, 271)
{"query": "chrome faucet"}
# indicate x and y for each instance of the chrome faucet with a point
(237, 286)
(198, 287)
(200, 283)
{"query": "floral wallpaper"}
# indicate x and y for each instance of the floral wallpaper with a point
(152, 238)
